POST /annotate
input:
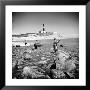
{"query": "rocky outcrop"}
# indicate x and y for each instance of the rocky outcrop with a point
(41, 64)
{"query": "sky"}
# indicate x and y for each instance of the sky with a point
(64, 23)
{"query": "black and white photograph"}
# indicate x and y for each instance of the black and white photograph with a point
(45, 45)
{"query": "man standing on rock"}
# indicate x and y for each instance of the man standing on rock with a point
(55, 45)
(35, 45)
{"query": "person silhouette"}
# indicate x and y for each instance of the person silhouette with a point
(35, 44)
(55, 45)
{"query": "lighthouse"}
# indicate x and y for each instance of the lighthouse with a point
(43, 29)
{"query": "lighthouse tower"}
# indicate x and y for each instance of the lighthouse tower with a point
(43, 30)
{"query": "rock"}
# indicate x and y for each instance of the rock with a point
(48, 59)
(37, 55)
(51, 49)
(42, 62)
(20, 61)
(26, 70)
(60, 66)
(14, 63)
(27, 55)
(43, 58)
(58, 74)
(32, 72)
(63, 55)
(70, 65)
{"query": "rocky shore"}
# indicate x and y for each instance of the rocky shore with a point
(43, 63)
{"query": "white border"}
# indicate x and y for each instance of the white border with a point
(82, 45)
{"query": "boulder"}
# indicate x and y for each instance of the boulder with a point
(32, 72)
(27, 56)
(58, 74)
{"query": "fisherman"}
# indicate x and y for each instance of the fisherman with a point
(55, 45)
(25, 42)
(35, 45)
